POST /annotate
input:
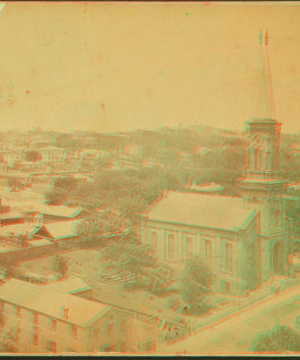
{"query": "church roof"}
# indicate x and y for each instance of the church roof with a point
(220, 212)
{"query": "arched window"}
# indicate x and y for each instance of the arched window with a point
(208, 253)
(154, 242)
(228, 257)
(277, 215)
(189, 246)
(258, 159)
(170, 247)
(268, 160)
(277, 218)
(149, 238)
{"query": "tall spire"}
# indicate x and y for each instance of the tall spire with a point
(264, 106)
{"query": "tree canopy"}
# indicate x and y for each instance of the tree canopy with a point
(135, 259)
(280, 338)
(194, 285)
(33, 155)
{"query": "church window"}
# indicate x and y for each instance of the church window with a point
(208, 252)
(189, 246)
(154, 241)
(170, 247)
(277, 217)
(268, 160)
(149, 238)
(228, 257)
(258, 159)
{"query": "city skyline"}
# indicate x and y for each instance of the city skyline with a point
(116, 67)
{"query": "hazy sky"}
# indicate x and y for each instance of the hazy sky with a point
(118, 66)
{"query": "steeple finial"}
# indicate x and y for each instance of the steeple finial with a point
(264, 105)
(266, 37)
(260, 37)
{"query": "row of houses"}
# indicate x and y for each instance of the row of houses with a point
(48, 155)
(41, 226)
(54, 319)
(62, 317)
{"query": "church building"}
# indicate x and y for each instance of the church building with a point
(243, 240)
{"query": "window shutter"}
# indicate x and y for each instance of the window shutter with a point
(70, 328)
(31, 337)
(31, 316)
(50, 323)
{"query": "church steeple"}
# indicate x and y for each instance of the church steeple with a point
(263, 130)
(264, 105)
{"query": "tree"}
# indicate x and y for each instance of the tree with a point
(194, 285)
(104, 223)
(14, 183)
(8, 337)
(135, 259)
(279, 339)
(65, 183)
(33, 156)
(131, 206)
(60, 264)
(55, 197)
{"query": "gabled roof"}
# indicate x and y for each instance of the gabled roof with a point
(63, 229)
(201, 210)
(19, 229)
(37, 298)
(72, 285)
(63, 211)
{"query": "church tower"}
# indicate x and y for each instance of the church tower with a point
(263, 188)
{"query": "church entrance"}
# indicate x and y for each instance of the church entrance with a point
(252, 266)
(225, 286)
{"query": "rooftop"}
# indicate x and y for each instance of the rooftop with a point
(68, 286)
(63, 229)
(19, 229)
(222, 212)
(39, 242)
(211, 187)
(63, 211)
(11, 215)
(37, 298)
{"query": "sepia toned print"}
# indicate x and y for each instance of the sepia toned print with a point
(149, 178)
